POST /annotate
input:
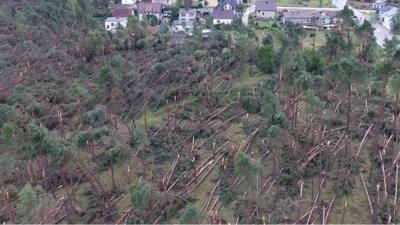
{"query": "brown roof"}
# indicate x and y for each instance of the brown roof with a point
(144, 7)
(122, 12)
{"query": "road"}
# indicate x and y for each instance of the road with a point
(381, 33)
(247, 12)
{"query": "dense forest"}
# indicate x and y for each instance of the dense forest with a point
(240, 127)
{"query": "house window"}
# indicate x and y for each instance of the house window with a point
(112, 24)
(263, 14)
(218, 21)
(108, 26)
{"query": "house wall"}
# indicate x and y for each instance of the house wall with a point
(128, 2)
(111, 26)
(222, 21)
(265, 14)
(211, 3)
(387, 22)
(298, 20)
(165, 2)
(187, 16)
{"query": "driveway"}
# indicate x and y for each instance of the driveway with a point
(247, 12)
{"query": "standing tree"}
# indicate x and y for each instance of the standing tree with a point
(112, 157)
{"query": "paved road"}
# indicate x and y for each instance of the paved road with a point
(247, 12)
(381, 33)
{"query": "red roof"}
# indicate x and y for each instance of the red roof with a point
(122, 12)
(144, 7)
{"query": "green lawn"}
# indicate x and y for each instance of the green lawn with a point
(305, 3)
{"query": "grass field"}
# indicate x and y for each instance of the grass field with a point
(305, 3)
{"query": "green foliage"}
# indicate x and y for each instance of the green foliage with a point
(140, 195)
(32, 203)
(113, 156)
(280, 119)
(267, 59)
(96, 117)
(251, 104)
(273, 131)
(315, 62)
(244, 166)
(192, 215)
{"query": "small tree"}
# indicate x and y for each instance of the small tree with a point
(111, 158)
(140, 195)
(192, 215)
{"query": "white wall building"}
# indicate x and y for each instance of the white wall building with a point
(112, 23)
(387, 17)
(128, 2)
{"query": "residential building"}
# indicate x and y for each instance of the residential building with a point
(183, 26)
(223, 16)
(225, 13)
(378, 4)
(228, 5)
(303, 17)
(266, 10)
(112, 23)
(327, 17)
(165, 2)
(210, 3)
(386, 17)
(190, 15)
(128, 2)
(146, 8)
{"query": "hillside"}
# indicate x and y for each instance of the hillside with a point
(244, 126)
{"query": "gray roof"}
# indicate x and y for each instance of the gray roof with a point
(223, 14)
(299, 14)
(390, 13)
(385, 8)
(233, 3)
(268, 5)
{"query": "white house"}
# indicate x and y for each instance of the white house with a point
(266, 9)
(112, 23)
(379, 4)
(223, 16)
(148, 8)
(387, 17)
(128, 2)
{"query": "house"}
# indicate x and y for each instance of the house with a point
(327, 17)
(386, 17)
(186, 15)
(164, 2)
(183, 26)
(225, 13)
(146, 8)
(378, 4)
(223, 16)
(266, 9)
(303, 17)
(210, 3)
(128, 2)
(112, 23)
(228, 5)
